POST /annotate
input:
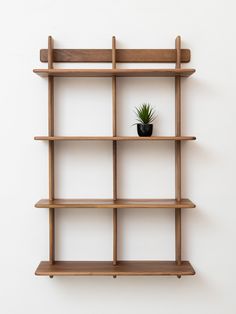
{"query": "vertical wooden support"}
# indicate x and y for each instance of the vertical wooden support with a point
(178, 153)
(51, 152)
(114, 148)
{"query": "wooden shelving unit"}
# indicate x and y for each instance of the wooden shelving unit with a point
(115, 267)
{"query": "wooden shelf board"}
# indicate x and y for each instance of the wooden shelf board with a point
(114, 72)
(114, 138)
(122, 55)
(106, 268)
(119, 203)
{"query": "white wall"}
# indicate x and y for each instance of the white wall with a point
(84, 169)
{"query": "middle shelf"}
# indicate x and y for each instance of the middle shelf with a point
(114, 138)
(119, 203)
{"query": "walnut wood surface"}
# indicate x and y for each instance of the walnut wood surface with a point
(123, 268)
(115, 268)
(51, 152)
(122, 55)
(114, 138)
(178, 153)
(114, 151)
(114, 72)
(110, 203)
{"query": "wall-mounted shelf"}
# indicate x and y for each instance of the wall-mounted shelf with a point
(115, 267)
(122, 268)
(114, 138)
(114, 73)
(110, 203)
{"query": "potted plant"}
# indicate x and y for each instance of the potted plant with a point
(145, 116)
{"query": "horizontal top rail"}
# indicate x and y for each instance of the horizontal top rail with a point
(122, 55)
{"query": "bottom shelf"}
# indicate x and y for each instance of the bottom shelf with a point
(123, 268)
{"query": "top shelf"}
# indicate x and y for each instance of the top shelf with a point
(114, 72)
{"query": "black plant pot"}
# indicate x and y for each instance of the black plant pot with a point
(144, 129)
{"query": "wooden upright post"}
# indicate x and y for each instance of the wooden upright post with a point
(51, 152)
(178, 153)
(114, 148)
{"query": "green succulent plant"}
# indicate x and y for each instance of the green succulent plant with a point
(145, 113)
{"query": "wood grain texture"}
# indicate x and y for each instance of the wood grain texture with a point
(114, 72)
(110, 203)
(114, 151)
(115, 230)
(51, 152)
(115, 268)
(123, 268)
(51, 119)
(122, 55)
(178, 153)
(114, 138)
